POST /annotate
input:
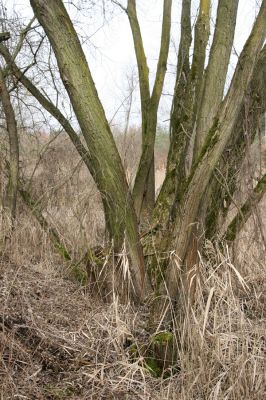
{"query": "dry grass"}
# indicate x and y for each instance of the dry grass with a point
(223, 352)
(58, 341)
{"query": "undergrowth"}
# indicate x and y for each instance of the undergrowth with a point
(58, 341)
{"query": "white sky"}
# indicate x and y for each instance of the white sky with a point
(110, 51)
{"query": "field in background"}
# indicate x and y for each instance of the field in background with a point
(66, 192)
(57, 341)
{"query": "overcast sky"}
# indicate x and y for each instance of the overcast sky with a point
(110, 50)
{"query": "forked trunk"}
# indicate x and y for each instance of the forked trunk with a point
(144, 186)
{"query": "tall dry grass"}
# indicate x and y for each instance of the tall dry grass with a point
(59, 341)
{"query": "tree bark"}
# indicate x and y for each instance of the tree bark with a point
(105, 164)
(209, 90)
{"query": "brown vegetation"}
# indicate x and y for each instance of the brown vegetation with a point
(59, 340)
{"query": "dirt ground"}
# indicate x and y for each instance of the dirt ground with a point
(56, 342)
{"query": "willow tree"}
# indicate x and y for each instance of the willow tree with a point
(205, 126)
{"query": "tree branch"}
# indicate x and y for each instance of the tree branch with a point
(164, 50)
(140, 55)
(202, 32)
(4, 36)
(48, 105)
(179, 113)
(144, 185)
(247, 125)
(21, 38)
(246, 210)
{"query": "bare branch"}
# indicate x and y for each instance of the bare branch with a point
(22, 36)
(119, 5)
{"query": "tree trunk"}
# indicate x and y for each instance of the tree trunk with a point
(148, 201)
(105, 165)
(215, 143)
(216, 72)
(144, 186)
(226, 177)
(10, 200)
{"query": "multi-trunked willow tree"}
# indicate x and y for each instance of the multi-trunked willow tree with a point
(207, 133)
